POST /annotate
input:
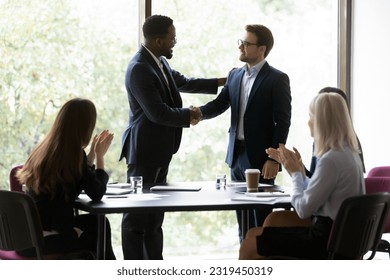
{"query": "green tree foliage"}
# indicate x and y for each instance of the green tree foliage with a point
(48, 57)
(50, 52)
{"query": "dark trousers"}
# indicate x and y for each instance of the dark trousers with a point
(241, 162)
(142, 234)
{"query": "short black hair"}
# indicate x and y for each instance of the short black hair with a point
(156, 26)
(336, 90)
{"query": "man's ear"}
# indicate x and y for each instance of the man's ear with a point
(263, 49)
(158, 41)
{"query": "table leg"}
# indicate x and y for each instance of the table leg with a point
(101, 237)
(244, 221)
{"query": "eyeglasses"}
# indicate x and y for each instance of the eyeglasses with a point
(245, 43)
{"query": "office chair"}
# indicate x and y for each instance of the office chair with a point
(16, 187)
(13, 182)
(376, 181)
(358, 226)
(20, 228)
(379, 171)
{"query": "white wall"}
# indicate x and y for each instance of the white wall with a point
(371, 79)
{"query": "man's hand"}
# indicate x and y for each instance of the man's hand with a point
(195, 115)
(221, 81)
(270, 169)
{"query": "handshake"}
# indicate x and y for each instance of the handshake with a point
(195, 115)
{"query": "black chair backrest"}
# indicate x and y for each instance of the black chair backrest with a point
(358, 226)
(20, 226)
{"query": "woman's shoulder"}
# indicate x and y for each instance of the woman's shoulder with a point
(339, 158)
(341, 152)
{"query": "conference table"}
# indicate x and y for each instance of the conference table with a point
(183, 197)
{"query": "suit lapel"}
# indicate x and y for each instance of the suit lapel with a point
(236, 90)
(147, 56)
(157, 69)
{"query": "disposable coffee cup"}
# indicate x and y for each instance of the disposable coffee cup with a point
(252, 179)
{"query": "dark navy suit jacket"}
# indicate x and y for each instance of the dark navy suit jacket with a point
(156, 115)
(267, 116)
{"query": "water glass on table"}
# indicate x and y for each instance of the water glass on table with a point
(220, 181)
(136, 183)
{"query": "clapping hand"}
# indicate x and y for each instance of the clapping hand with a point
(103, 142)
(91, 154)
(273, 153)
(291, 160)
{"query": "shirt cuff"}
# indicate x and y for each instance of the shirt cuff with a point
(299, 182)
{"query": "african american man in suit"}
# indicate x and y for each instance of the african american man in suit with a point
(155, 127)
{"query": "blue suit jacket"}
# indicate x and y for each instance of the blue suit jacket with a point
(156, 115)
(267, 116)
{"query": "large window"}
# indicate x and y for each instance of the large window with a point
(54, 50)
(305, 48)
(370, 74)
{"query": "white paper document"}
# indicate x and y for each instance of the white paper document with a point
(260, 196)
(176, 188)
(243, 184)
(119, 185)
(267, 194)
(258, 199)
(117, 191)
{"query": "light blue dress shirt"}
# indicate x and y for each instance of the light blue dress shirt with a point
(338, 175)
(247, 82)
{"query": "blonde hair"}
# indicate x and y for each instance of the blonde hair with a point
(332, 124)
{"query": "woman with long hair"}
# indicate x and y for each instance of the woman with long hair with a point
(304, 232)
(58, 170)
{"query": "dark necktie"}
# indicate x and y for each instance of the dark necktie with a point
(171, 87)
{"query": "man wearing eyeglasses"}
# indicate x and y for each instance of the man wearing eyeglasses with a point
(260, 100)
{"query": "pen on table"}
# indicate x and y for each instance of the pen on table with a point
(113, 182)
(120, 196)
